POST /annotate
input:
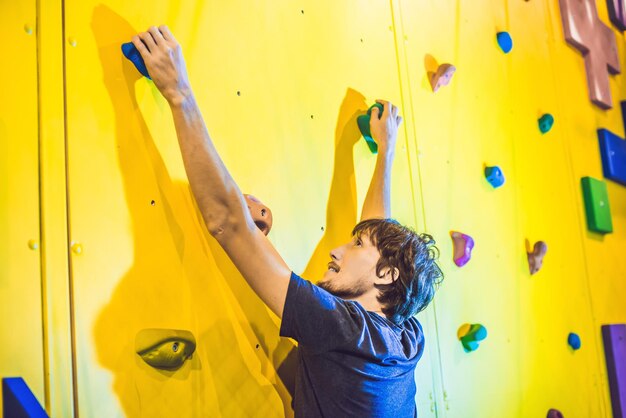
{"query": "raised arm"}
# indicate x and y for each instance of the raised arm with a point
(219, 199)
(377, 202)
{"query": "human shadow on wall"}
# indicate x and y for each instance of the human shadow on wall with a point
(171, 284)
(341, 208)
(341, 212)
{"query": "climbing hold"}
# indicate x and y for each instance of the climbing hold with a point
(442, 76)
(535, 258)
(19, 401)
(261, 214)
(130, 51)
(574, 341)
(613, 153)
(77, 248)
(545, 122)
(471, 335)
(504, 41)
(586, 32)
(363, 122)
(494, 176)
(597, 207)
(165, 348)
(463, 330)
(463, 245)
(554, 413)
(614, 338)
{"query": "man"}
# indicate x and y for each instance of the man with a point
(358, 340)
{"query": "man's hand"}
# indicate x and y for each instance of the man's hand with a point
(164, 60)
(385, 130)
(377, 202)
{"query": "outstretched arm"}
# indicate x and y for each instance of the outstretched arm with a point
(385, 131)
(219, 199)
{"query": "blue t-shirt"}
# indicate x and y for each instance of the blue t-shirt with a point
(351, 362)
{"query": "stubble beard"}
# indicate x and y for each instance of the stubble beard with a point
(343, 293)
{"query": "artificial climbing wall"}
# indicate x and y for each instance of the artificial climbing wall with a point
(280, 84)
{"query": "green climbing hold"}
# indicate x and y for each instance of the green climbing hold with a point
(363, 122)
(597, 207)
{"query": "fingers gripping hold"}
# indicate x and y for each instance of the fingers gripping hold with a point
(148, 40)
(167, 34)
(157, 36)
(141, 47)
(158, 56)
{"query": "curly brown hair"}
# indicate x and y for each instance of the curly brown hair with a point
(414, 255)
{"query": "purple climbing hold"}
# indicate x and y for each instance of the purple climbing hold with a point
(614, 337)
(463, 245)
(554, 413)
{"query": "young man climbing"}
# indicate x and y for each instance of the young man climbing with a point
(358, 339)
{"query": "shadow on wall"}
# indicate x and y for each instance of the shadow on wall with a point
(182, 279)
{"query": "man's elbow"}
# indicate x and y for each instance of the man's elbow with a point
(222, 226)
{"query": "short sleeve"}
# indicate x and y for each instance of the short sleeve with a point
(317, 319)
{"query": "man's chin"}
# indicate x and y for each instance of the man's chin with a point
(327, 286)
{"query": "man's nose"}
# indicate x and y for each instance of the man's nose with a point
(337, 252)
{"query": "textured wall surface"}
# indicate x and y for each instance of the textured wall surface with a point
(280, 85)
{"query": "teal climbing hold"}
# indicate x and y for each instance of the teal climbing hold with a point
(545, 123)
(363, 122)
(504, 41)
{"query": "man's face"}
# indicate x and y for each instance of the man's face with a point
(352, 270)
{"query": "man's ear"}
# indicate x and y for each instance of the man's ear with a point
(388, 275)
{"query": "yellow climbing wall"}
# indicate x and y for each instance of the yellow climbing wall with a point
(280, 96)
(21, 339)
(280, 85)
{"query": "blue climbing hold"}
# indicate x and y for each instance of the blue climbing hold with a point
(613, 153)
(505, 41)
(19, 401)
(494, 176)
(363, 122)
(574, 341)
(130, 51)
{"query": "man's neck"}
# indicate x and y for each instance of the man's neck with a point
(370, 302)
